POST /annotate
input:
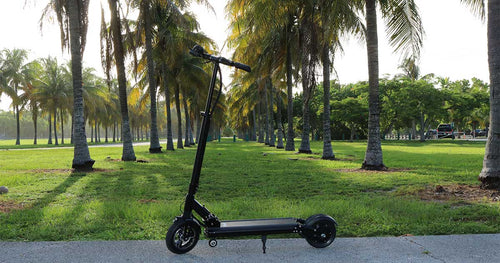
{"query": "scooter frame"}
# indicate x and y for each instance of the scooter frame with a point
(319, 230)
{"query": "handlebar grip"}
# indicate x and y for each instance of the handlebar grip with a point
(242, 66)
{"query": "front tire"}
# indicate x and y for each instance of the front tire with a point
(182, 236)
(320, 230)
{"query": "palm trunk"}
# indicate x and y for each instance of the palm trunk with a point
(81, 155)
(259, 123)
(279, 123)
(373, 157)
(290, 145)
(95, 131)
(154, 146)
(106, 134)
(272, 138)
(55, 126)
(18, 125)
(327, 141)
(254, 127)
(170, 140)
(187, 142)
(490, 174)
(191, 127)
(128, 153)
(179, 118)
(62, 126)
(50, 129)
(72, 128)
(35, 126)
(114, 131)
(267, 118)
(307, 82)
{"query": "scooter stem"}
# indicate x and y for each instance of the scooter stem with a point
(200, 151)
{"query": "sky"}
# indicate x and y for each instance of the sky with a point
(454, 45)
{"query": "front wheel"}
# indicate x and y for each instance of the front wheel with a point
(182, 236)
(320, 230)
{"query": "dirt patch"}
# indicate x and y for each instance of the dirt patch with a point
(467, 193)
(8, 206)
(359, 170)
(53, 171)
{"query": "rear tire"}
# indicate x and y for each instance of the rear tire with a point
(320, 230)
(182, 236)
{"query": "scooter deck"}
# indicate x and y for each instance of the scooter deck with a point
(254, 227)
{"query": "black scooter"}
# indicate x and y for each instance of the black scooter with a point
(318, 230)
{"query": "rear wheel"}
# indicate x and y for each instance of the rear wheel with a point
(182, 236)
(320, 230)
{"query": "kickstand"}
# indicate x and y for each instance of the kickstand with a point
(264, 239)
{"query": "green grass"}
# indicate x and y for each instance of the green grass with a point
(130, 200)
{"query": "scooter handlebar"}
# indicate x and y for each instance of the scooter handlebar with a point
(198, 51)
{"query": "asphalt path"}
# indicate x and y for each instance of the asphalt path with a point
(446, 248)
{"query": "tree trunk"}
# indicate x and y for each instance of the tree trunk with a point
(55, 126)
(114, 131)
(259, 123)
(179, 118)
(422, 127)
(106, 133)
(191, 126)
(279, 123)
(373, 157)
(170, 140)
(490, 174)
(81, 155)
(154, 146)
(91, 132)
(50, 129)
(290, 145)
(72, 128)
(254, 127)
(18, 125)
(35, 125)
(327, 141)
(270, 108)
(95, 131)
(267, 118)
(62, 126)
(128, 153)
(307, 80)
(187, 142)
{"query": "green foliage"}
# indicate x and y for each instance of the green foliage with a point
(129, 200)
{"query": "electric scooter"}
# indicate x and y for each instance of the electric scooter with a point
(318, 230)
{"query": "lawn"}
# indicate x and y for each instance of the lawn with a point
(138, 200)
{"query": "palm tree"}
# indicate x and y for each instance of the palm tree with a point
(28, 95)
(490, 174)
(12, 68)
(52, 90)
(405, 32)
(128, 153)
(72, 16)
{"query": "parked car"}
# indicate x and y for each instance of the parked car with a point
(445, 131)
(479, 132)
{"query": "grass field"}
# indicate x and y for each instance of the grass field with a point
(131, 200)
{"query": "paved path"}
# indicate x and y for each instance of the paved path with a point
(451, 248)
